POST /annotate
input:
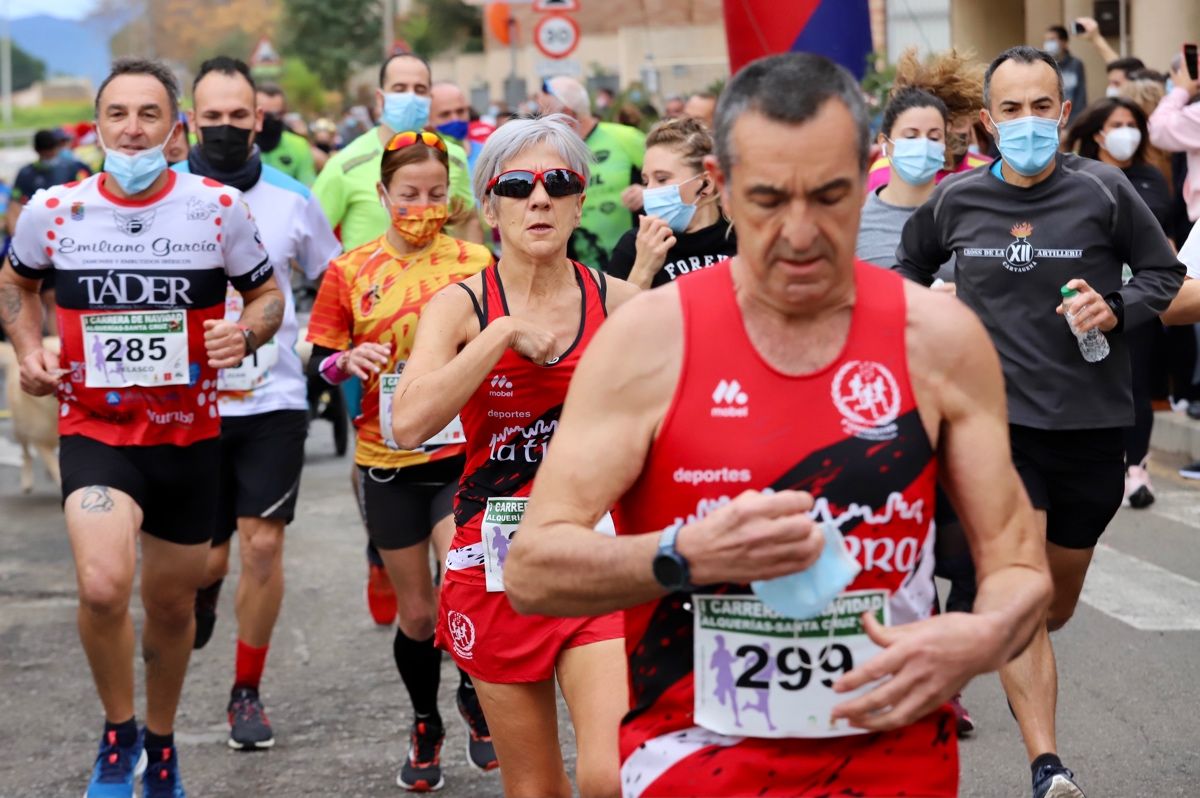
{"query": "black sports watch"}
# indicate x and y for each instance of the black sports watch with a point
(670, 568)
(1116, 304)
(248, 337)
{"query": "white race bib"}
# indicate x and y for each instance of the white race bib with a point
(452, 433)
(759, 674)
(148, 348)
(500, 521)
(253, 372)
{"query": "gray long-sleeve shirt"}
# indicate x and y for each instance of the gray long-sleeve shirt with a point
(1016, 247)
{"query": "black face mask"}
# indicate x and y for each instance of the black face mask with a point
(226, 147)
(272, 132)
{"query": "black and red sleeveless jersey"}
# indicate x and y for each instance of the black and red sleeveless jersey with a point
(849, 434)
(512, 415)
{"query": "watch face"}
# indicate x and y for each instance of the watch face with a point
(668, 572)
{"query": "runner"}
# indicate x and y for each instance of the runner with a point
(362, 325)
(1025, 232)
(501, 348)
(677, 235)
(279, 147)
(143, 272)
(615, 190)
(791, 367)
(347, 189)
(263, 403)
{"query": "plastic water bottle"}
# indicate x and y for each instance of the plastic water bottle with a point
(1092, 343)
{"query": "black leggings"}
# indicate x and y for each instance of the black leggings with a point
(1143, 343)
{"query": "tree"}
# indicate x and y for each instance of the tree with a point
(332, 38)
(26, 70)
(302, 87)
(437, 25)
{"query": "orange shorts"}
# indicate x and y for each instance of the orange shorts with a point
(493, 642)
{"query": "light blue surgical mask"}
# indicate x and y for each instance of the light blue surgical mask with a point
(665, 203)
(807, 593)
(405, 111)
(917, 161)
(134, 173)
(1028, 144)
(456, 130)
(1170, 86)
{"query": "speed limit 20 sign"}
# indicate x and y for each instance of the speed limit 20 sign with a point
(556, 35)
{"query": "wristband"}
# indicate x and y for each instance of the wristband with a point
(330, 371)
(248, 339)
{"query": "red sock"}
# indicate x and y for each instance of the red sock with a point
(249, 667)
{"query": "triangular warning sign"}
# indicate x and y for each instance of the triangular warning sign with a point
(555, 5)
(264, 53)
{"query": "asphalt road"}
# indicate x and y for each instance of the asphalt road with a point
(1129, 665)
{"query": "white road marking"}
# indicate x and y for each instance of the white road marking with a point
(1179, 505)
(10, 453)
(1140, 593)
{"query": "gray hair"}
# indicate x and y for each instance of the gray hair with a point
(515, 136)
(1022, 54)
(144, 66)
(789, 88)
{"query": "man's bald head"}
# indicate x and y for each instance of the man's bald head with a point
(447, 103)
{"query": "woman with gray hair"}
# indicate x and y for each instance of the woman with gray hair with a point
(499, 350)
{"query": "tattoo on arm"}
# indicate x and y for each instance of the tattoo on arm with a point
(97, 499)
(273, 312)
(10, 304)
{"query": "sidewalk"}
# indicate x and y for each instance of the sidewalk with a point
(1175, 439)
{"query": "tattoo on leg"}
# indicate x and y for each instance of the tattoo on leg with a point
(96, 499)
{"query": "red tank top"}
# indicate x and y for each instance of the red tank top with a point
(849, 434)
(512, 415)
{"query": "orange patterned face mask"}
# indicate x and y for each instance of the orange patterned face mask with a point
(418, 224)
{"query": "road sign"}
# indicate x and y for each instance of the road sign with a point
(264, 54)
(555, 5)
(556, 35)
(554, 67)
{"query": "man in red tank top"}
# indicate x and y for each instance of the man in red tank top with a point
(782, 415)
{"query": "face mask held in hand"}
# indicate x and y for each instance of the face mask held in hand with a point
(666, 203)
(1028, 144)
(807, 593)
(134, 173)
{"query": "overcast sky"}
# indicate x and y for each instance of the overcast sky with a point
(72, 9)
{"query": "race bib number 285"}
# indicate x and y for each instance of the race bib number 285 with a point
(147, 348)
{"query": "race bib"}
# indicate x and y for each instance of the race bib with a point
(759, 674)
(500, 521)
(452, 433)
(147, 348)
(253, 372)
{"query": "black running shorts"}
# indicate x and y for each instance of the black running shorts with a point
(1076, 476)
(176, 486)
(261, 459)
(400, 506)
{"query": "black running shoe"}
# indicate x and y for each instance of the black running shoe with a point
(1055, 781)
(480, 751)
(206, 613)
(422, 768)
(249, 728)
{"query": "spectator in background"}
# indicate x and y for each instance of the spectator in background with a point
(673, 107)
(701, 105)
(1119, 70)
(1175, 127)
(615, 189)
(958, 83)
(1145, 87)
(1113, 130)
(450, 118)
(324, 142)
(604, 100)
(280, 147)
(683, 229)
(1074, 80)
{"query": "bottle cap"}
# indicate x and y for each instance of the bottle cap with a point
(1067, 293)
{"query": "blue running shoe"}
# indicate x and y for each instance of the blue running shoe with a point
(116, 768)
(1055, 781)
(161, 779)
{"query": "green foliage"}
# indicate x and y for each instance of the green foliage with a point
(26, 70)
(51, 115)
(236, 44)
(438, 25)
(332, 38)
(302, 87)
(877, 83)
(716, 87)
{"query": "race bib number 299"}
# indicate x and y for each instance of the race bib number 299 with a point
(147, 348)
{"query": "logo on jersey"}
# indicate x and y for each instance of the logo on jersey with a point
(77, 211)
(199, 210)
(462, 634)
(705, 476)
(1021, 255)
(131, 288)
(134, 224)
(729, 400)
(368, 300)
(501, 387)
(868, 397)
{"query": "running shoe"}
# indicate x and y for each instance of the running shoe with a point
(116, 767)
(1055, 781)
(1139, 493)
(161, 779)
(1190, 471)
(962, 718)
(480, 751)
(422, 769)
(381, 596)
(206, 613)
(249, 728)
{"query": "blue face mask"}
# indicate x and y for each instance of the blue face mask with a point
(917, 161)
(665, 203)
(1028, 144)
(135, 173)
(808, 592)
(1170, 86)
(405, 111)
(456, 130)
